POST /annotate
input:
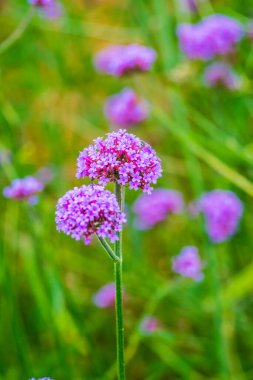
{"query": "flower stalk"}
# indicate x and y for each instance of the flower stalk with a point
(119, 191)
(108, 249)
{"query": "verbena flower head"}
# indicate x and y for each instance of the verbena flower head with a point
(126, 109)
(24, 188)
(154, 208)
(214, 35)
(87, 210)
(120, 157)
(188, 263)
(119, 60)
(150, 324)
(222, 210)
(221, 74)
(105, 297)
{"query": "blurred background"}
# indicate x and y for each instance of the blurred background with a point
(51, 107)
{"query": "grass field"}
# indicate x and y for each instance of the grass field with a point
(51, 107)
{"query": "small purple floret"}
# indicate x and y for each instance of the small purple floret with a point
(154, 208)
(221, 74)
(214, 35)
(24, 188)
(222, 210)
(87, 210)
(126, 109)
(120, 157)
(105, 297)
(118, 60)
(188, 263)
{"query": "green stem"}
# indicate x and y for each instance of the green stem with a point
(14, 36)
(108, 249)
(119, 299)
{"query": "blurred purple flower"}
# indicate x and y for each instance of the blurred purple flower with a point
(214, 35)
(24, 188)
(126, 109)
(51, 9)
(105, 296)
(41, 3)
(222, 210)
(87, 210)
(120, 157)
(221, 74)
(154, 208)
(188, 263)
(150, 324)
(119, 60)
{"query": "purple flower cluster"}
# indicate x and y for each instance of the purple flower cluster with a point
(118, 60)
(214, 35)
(51, 9)
(120, 157)
(188, 263)
(105, 297)
(87, 210)
(221, 74)
(154, 208)
(222, 210)
(24, 188)
(126, 109)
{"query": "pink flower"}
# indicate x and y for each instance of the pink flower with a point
(223, 211)
(126, 109)
(51, 8)
(120, 157)
(156, 207)
(216, 34)
(89, 210)
(41, 3)
(25, 188)
(119, 60)
(105, 297)
(188, 263)
(220, 74)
